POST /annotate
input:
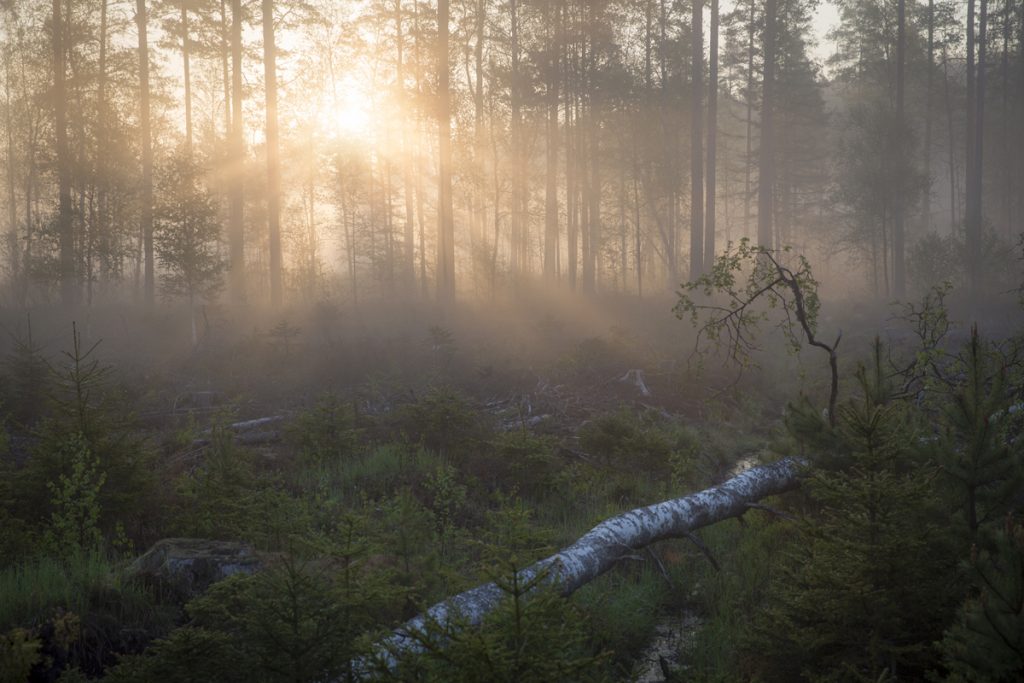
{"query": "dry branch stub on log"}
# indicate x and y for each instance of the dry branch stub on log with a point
(602, 547)
(637, 379)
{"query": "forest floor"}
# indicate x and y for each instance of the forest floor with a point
(425, 429)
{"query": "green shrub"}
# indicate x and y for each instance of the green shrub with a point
(228, 498)
(327, 432)
(442, 421)
(521, 461)
(187, 655)
(74, 523)
(293, 622)
(640, 442)
(19, 652)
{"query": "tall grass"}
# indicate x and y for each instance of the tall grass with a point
(30, 592)
(726, 599)
(624, 609)
(380, 471)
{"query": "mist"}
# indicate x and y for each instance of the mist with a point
(352, 340)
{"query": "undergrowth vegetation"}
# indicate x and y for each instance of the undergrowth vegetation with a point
(361, 504)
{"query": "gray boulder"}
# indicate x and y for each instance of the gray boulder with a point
(185, 567)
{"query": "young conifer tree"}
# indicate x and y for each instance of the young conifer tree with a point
(981, 461)
(862, 595)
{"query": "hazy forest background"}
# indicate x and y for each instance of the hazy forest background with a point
(316, 313)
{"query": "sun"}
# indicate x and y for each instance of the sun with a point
(348, 118)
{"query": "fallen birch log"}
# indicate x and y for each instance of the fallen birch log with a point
(249, 425)
(602, 547)
(244, 432)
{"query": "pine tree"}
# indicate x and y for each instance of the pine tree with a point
(987, 641)
(980, 460)
(862, 597)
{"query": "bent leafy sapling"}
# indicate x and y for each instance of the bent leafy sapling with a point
(743, 287)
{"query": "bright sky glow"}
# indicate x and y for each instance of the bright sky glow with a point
(347, 117)
(825, 18)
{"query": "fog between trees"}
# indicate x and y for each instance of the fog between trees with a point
(368, 150)
(394, 299)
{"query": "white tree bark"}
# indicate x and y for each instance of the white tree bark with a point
(249, 425)
(245, 433)
(599, 549)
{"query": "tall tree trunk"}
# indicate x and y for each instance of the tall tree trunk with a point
(102, 214)
(638, 232)
(409, 234)
(445, 209)
(748, 164)
(517, 237)
(1019, 112)
(979, 135)
(236, 164)
(273, 153)
(479, 141)
(186, 51)
(225, 54)
(951, 143)
(709, 216)
(766, 159)
(421, 216)
(30, 182)
(668, 226)
(149, 286)
(926, 207)
(12, 196)
(969, 238)
(1006, 154)
(583, 149)
(311, 227)
(623, 229)
(65, 228)
(389, 218)
(594, 225)
(926, 213)
(586, 201)
(551, 177)
(696, 141)
(899, 271)
(571, 182)
(975, 134)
